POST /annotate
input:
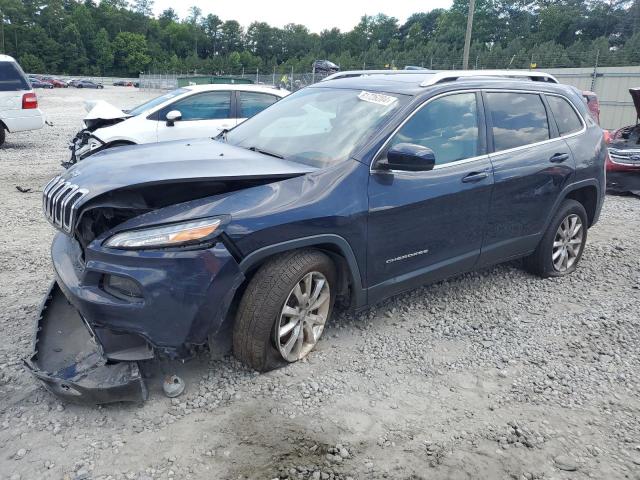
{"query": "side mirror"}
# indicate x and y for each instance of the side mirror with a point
(173, 116)
(409, 157)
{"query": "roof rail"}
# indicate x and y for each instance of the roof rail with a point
(440, 76)
(360, 73)
(450, 76)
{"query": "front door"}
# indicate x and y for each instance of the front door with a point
(424, 226)
(203, 115)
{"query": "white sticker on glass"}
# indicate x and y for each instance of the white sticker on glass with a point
(378, 98)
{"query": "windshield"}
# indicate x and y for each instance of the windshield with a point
(317, 126)
(157, 101)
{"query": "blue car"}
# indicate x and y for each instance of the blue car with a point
(346, 192)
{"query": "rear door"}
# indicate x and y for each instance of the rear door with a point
(424, 226)
(203, 115)
(531, 163)
(251, 103)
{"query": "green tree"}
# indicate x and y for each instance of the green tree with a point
(130, 53)
(73, 52)
(31, 63)
(231, 36)
(143, 7)
(103, 51)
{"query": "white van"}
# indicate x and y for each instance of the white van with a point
(18, 103)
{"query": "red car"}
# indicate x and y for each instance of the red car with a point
(55, 82)
(623, 165)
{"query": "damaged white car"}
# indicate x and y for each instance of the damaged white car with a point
(188, 112)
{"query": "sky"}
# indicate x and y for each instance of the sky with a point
(315, 14)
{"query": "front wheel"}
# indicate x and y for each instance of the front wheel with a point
(562, 245)
(2, 134)
(284, 309)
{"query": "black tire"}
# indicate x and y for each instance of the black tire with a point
(263, 300)
(540, 262)
(3, 134)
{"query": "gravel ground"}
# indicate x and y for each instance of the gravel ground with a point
(495, 374)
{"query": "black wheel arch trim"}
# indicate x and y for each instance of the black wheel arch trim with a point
(359, 296)
(590, 182)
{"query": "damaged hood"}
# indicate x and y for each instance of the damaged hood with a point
(101, 113)
(178, 162)
(101, 110)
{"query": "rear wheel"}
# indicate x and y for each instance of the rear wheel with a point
(284, 309)
(562, 245)
(2, 134)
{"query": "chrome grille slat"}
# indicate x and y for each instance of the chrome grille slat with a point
(52, 194)
(60, 200)
(47, 194)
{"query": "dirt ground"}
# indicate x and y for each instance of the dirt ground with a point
(492, 375)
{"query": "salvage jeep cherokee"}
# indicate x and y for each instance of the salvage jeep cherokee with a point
(353, 189)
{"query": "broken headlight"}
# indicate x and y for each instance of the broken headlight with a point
(173, 235)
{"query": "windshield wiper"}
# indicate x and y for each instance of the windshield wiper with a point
(264, 152)
(222, 135)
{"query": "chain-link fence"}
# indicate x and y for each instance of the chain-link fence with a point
(289, 80)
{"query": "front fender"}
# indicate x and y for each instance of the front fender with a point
(330, 242)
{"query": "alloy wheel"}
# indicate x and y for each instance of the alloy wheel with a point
(567, 243)
(303, 317)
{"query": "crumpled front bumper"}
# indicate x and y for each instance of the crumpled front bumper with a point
(71, 362)
(83, 145)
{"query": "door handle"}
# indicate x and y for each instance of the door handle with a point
(475, 177)
(559, 158)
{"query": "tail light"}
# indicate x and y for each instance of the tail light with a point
(29, 101)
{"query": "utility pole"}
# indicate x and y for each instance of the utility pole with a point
(467, 37)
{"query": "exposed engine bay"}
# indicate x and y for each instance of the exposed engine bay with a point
(115, 207)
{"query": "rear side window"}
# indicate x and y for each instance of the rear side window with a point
(11, 78)
(447, 125)
(254, 102)
(202, 106)
(518, 119)
(566, 117)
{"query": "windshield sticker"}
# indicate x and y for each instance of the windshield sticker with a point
(377, 98)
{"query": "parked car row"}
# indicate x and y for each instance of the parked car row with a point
(126, 83)
(45, 81)
(84, 83)
(41, 81)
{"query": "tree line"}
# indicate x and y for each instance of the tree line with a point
(120, 37)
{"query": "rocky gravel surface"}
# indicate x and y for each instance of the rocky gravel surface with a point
(495, 374)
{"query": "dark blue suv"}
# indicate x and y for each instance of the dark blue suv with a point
(351, 190)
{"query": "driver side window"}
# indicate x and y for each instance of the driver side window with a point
(202, 106)
(447, 125)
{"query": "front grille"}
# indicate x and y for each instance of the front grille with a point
(60, 203)
(625, 157)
